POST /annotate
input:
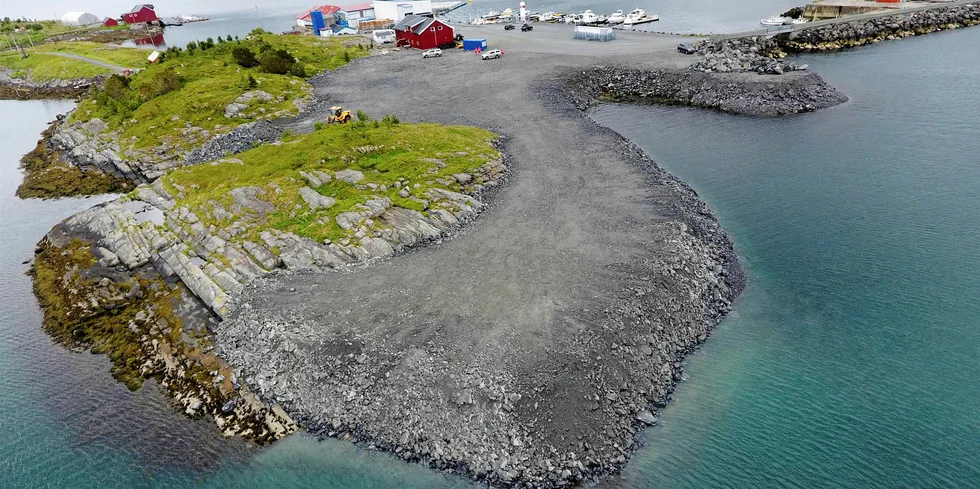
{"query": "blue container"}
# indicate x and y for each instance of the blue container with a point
(472, 44)
(316, 17)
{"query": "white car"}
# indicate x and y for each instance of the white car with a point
(432, 53)
(492, 54)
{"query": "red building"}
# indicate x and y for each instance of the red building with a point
(140, 14)
(110, 22)
(422, 32)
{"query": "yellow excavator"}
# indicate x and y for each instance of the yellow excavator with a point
(339, 116)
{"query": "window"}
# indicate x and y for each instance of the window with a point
(432, 29)
(440, 28)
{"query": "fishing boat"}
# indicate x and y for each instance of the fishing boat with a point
(616, 18)
(639, 16)
(548, 17)
(776, 21)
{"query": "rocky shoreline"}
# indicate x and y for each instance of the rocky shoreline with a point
(862, 32)
(20, 89)
(667, 299)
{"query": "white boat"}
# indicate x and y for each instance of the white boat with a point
(572, 18)
(507, 12)
(799, 21)
(548, 17)
(491, 14)
(639, 16)
(616, 17)
(775, 21)
(588, 17)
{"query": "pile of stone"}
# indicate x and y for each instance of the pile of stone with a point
(744, 94)
(861, 32)
(242, 138)
(750, 54)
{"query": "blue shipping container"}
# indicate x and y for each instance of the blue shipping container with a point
(472, 44)
(316, 17)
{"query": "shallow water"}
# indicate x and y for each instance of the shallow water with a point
(852, 359)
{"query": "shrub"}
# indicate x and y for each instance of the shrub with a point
(191, 46)
(361, 116)
(346, 55)
(279, 61)
(161, 83)
(298, 69)
(221, 40)
(287, 133)
(245, 57)
(250, 82)
(318, 125)
(377, 124)
(390, 120)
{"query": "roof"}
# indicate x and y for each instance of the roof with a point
(358, 7)
(140, 7)
(415, 23)
(337, 28)
(325, 9)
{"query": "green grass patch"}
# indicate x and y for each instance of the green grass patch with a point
(390, 155)
(125, 57)
(45, 67)
(211, 80)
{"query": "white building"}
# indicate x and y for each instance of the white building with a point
(359, 12)
(396, 10)
(80, 18)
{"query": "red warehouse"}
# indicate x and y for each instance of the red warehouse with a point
(422, 32)
(140, 14)
(110, 22)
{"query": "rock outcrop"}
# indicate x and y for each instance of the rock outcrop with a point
(22, 89)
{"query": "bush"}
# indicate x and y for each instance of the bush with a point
(245, 57)
(318, 125)
(390, 120)
(298, 69)
(228, 39)
(250, 82)
(191, 46)
(117, 87)
(346, 55)
(361, 116)
(287, 133)
(161, 83)
(279, 61)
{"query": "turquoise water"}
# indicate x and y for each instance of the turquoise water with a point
(851, 361)
(853, 358)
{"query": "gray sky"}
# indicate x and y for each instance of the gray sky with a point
(47, 9)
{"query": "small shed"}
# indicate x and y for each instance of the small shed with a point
(338, 30)
(423, 32)
(110, 22)
(79, 18)
(474, 44)
(140, 14)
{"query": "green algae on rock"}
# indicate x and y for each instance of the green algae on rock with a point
(47, 175)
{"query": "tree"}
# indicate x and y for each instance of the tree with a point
(228, 39)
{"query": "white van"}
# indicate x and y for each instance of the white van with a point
(383, 36)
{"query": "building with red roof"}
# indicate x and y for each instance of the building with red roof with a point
(141, 14)
(332, 14)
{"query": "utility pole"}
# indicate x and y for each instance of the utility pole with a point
(18, 46)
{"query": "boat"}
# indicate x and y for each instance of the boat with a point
(639, 16)
(572, 19)
(493, 14)
(191, 18)
(798, 21)
(775, 21)
(548, 17)
(616, 18)
(587, 17)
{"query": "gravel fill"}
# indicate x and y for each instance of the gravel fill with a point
(533, 346)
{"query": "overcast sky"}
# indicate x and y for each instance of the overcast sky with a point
(48, 9)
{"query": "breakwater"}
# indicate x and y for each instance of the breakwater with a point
(741, 93)
(861, 32)
(13, 88)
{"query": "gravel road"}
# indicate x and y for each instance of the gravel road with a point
(533, 346)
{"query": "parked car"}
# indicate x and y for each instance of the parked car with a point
(432, 53)
(527, 27)
(687, 48)
(492, 54)
(509, 27)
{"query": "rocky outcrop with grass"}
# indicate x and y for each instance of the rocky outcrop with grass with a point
(143, 278)
(14, 88)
